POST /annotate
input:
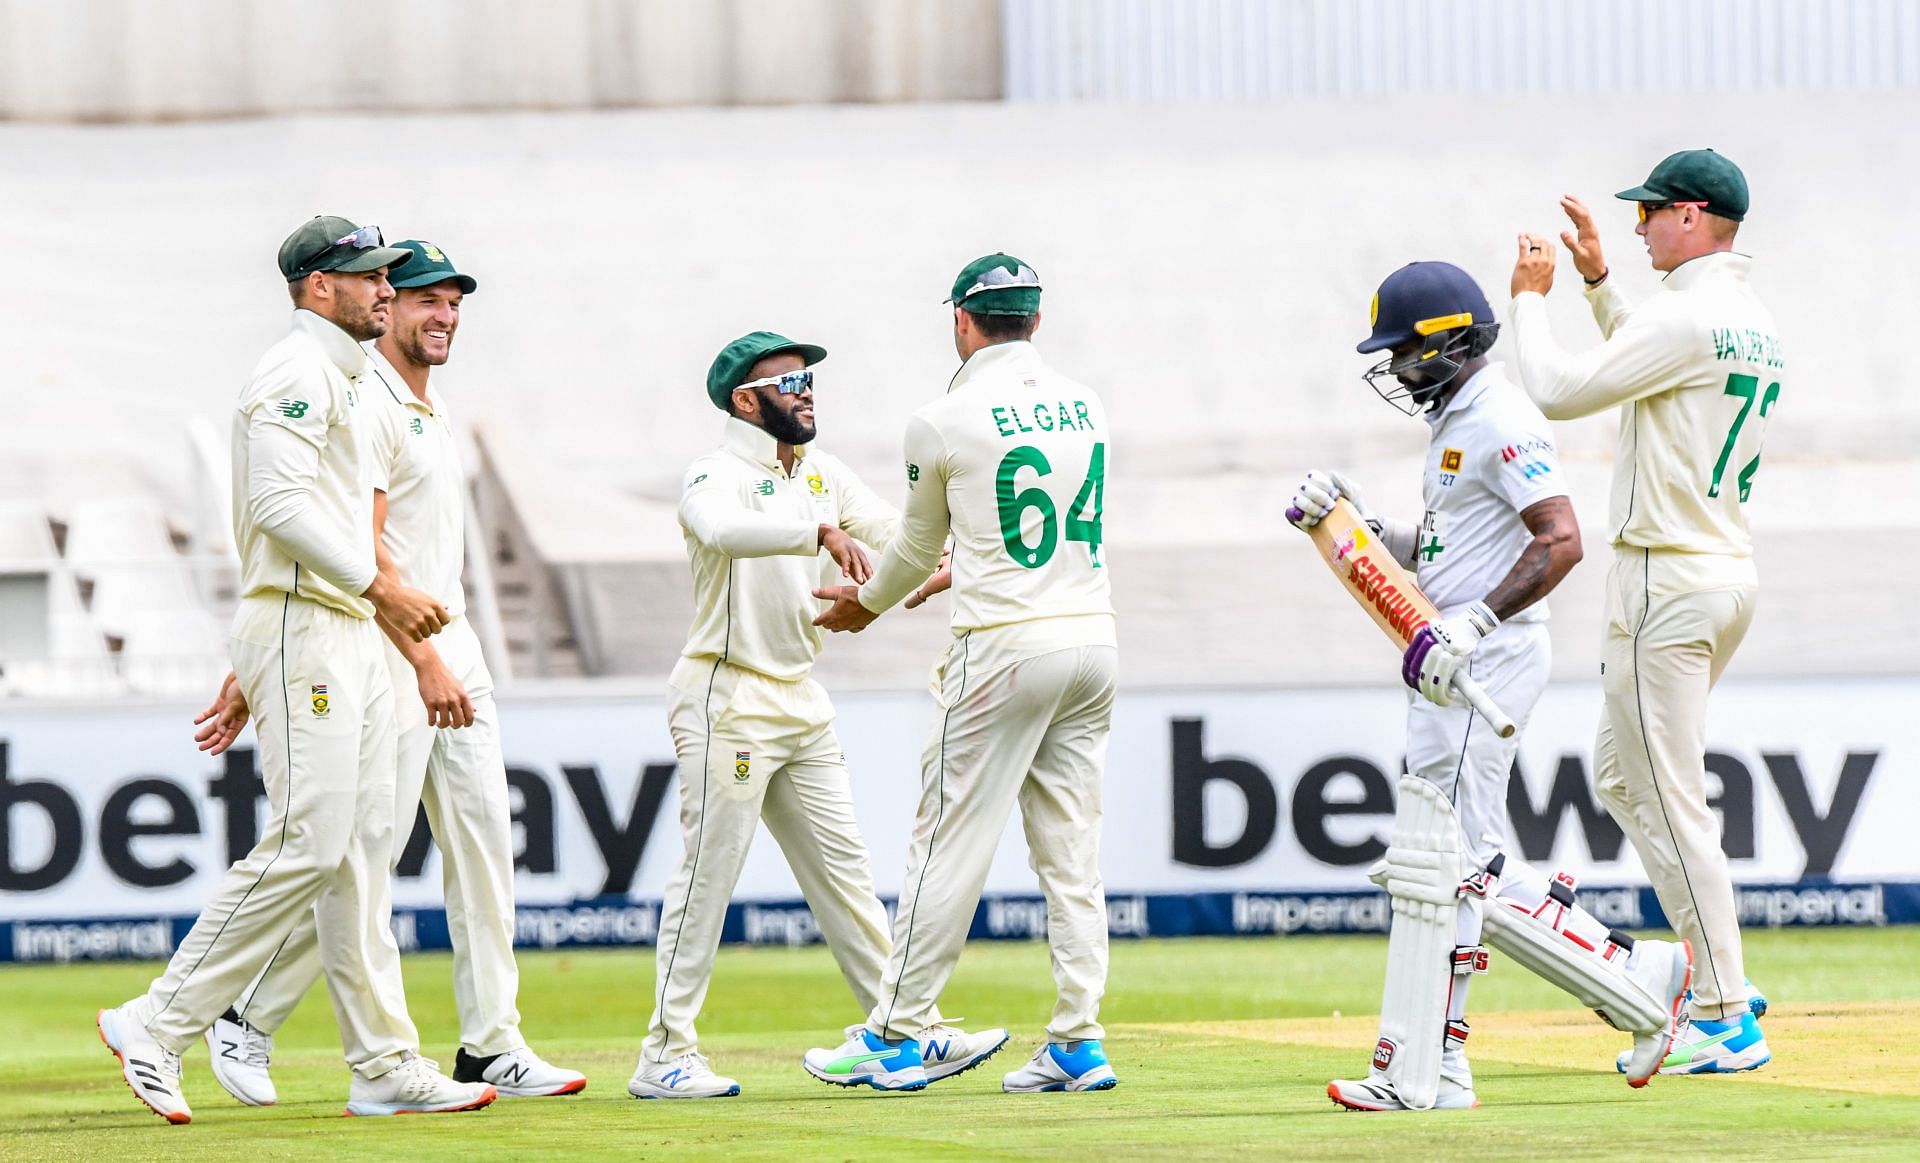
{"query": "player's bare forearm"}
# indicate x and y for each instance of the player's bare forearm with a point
(1553, 552)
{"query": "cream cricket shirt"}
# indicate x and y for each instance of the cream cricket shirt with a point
(1697, 369)
(1492, 457)
(753, 535)
(1012, 460)
(416, 462)
(302, 521)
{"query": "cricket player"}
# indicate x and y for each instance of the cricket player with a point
(1498, 535)
(1013, 460)
(307, 660)
(767, 518)
(1695, 371)
(448, 752)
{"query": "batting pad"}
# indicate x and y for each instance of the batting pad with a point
(1422, 874)
(1598, 977)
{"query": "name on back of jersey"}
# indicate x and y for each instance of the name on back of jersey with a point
(1040, 416)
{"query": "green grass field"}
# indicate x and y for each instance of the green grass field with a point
(1223, 1048)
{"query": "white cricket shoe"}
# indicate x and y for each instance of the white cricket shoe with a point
(1665, 969)
(688, 1076)
(517, 1074)
(416, 1087)
(1063, 1066)
(866, 1058)
(152, 1071)
(1376, 1093)
(241, 1056)
(947, 1050)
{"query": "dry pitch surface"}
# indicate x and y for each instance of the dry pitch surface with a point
(1223, 1049)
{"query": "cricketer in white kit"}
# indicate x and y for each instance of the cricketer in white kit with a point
(1498, 535)
(307, 658)
(1012, 461)
(1696, 372)
(448, 756)
(767, 519)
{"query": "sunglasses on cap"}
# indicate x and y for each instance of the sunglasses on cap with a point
(787, 384)
(361, 239)
(999, 278)
(1649, 209)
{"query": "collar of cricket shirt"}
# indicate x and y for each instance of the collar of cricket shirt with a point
(396, 384)
(1707, 266)
(754, 443)
(1470, 391)
(335, 344)
(1012, 357)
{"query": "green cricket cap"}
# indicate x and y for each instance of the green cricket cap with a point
(328, 243)
(1695, 175)
(736, 359)
(429, 265)
(998, 284)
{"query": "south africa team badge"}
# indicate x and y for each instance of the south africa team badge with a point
(742, 765)
(320, 700)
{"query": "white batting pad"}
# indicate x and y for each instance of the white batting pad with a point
(1422, 874)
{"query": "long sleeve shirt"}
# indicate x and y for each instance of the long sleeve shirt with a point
(1696, 371)
(753, 536)
(1011, 462)
(302, 501)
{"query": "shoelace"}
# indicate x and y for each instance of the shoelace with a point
(422, 1078)
(693, 1062)
(256, 1048)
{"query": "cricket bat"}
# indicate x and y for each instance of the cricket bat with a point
(1379, 584)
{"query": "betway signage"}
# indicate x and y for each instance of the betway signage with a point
(1237, 811)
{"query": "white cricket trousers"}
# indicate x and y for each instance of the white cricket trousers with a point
(1032, 732)
(317, 684)
(753, 748)
(1667, 640)
(460, 778)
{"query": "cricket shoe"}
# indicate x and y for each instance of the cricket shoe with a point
(416, 1087)
(241, 1056)
(1704, 1046)
(1376, 1093)
(1055, 1066)
(947, 1050)
(152, 1071)
(1756, 1001)
(1664, 969)
(517, 1073)
(865, 1057)
(687, 1076)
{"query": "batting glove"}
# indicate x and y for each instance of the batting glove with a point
(1439, 649)
(1462, 632)
(1315, 498)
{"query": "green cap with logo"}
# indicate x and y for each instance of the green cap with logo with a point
(1695, 175)
(429, 265)
(736, 359)
(331, 243)
(998, 284)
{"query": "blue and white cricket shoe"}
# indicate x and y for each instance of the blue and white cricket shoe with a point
(1070, 1066)
(687, 1076)
(1703, 1046)
(947, 1050)
(867, 1058)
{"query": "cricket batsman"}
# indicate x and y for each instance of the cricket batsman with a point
(1012, 461)
(448, 754)
(767, 519)
(1498, 535)
(1696, 372)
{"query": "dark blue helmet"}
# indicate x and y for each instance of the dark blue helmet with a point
(1439, 306)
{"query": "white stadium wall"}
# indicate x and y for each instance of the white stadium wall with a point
(1223, 815)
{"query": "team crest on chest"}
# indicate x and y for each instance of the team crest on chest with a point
(1450, 462)
(816, 485)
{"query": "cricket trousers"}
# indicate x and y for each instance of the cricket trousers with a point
(458, 776)
(1031, 732)
(753, 749)
(1673, 623)
(322, 706)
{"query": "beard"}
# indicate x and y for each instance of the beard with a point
(780, 424)
(410, 345)
(356, 319)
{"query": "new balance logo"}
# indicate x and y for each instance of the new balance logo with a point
(673, 1077)
(230, 1051)
(936, 1051)
(514, 1074)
